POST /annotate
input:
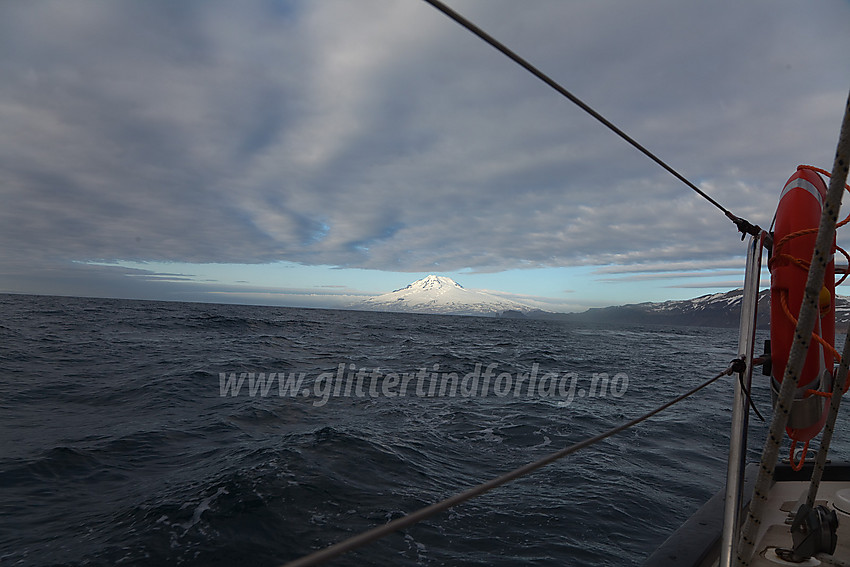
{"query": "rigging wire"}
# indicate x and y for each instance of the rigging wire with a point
(744, 226)
(379, 532)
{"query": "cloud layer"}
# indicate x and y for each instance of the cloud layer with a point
(378, 134)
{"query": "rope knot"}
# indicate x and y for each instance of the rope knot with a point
(739, 366)
(745, 227)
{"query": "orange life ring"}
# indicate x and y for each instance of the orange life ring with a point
(799, 209)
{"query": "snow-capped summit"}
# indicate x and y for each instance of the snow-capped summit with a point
(433, 283)
(439, 294)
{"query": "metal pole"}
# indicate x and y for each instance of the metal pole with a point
(740, 406)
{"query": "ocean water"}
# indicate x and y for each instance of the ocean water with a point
(125, 440)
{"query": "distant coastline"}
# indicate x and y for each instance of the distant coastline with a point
(715, 310)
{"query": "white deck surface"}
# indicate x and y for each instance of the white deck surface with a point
(775, 532)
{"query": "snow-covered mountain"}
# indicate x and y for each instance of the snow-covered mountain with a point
(439, 294)
(715, 310)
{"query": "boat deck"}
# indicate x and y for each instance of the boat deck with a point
(784, 498)
(697, 542)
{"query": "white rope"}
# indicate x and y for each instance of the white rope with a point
(829, 426)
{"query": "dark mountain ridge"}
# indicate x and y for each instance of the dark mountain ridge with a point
(713, 310)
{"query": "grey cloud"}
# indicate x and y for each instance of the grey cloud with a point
(383, 136)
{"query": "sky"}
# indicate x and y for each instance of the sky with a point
(312, 153)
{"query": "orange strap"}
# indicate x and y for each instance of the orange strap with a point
(784, 298)
(784, 302)
(798, 466)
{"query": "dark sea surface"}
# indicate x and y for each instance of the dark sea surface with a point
(123, 442)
